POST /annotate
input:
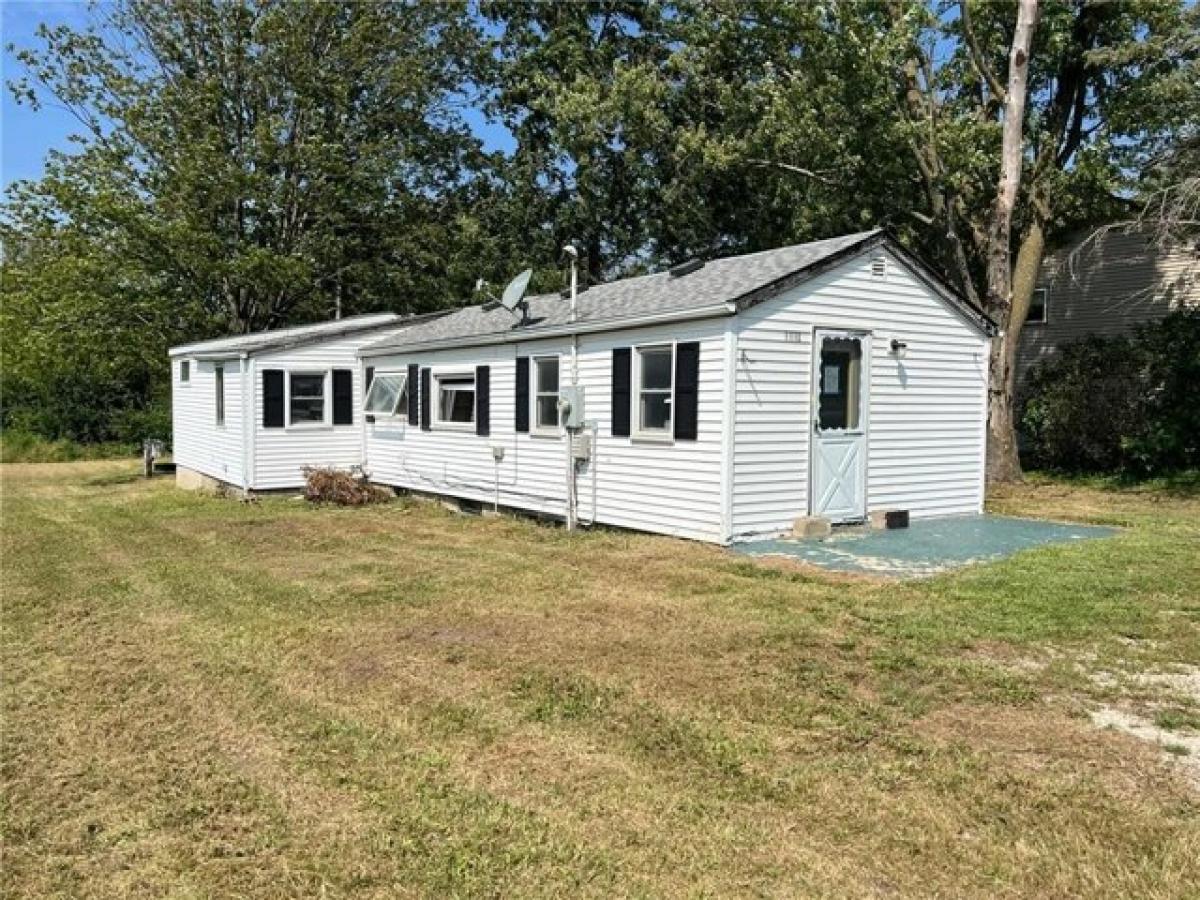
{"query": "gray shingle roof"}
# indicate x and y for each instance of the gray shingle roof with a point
(287, 337)
(719, 281)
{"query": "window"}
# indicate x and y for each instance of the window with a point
(839, 394)
(185, 371)
(1037, 307)
(306, 402)
(387, 394)
(653, 378)
(545, 394)
(219, 382)
(456, 399)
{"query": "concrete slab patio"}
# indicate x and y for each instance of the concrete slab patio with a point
(927, 547)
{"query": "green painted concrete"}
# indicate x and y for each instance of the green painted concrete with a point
(926, 547)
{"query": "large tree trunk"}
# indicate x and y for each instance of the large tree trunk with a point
(1002, 461)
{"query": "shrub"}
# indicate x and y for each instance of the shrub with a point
(1118, 404)
(325, 485)
(22, 447)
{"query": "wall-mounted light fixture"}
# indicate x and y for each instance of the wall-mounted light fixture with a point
(899, 348)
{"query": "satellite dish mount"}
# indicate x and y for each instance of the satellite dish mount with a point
(513, 298)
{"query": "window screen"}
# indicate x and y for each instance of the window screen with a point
(387, 394)
(456, 398)
(839, 394)
(546, 393)
(307, 404)
(654, 389)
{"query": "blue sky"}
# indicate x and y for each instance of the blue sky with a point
(27, 136)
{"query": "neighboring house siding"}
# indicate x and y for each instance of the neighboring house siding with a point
(667, 488)
(926, 413)
(1108, 286)
(198, 443)
(280, 454)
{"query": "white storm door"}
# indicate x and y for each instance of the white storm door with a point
(839, 437)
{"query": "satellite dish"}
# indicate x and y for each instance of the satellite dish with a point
(514, 294)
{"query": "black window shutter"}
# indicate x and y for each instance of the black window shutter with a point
(272, 398)
(622, 360)
(425, 419)
(414, 398)
(367, 379)
(483, 401)
(343, 397)
(522, 394)
(687, 389)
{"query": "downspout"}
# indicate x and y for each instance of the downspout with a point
(573, 255)
(247, 424)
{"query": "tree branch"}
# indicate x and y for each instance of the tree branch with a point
(795, 170)
(977, 57)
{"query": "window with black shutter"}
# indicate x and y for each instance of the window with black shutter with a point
(272, 398)
(483, 410)
(687, 390)
(522, 394)
(621, 374)
(343, 397)
(425, 410)
(414, 398)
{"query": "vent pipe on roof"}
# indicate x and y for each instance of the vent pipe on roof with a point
(686, 268)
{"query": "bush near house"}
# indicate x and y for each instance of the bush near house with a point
(1123, 405)
(327, 485)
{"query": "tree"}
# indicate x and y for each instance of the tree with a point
(1059, 159)
(267, 161)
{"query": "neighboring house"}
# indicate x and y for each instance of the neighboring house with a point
(719, 401)
(251, 411)
(1105, 285)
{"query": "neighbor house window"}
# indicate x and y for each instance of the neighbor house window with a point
(545, 394)
(654, 380)
(456, 399)
(185, 371)
(387, 394)
(219, 382)
(1037, 307)
(306, 401)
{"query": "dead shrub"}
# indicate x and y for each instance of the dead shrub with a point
(325, 485)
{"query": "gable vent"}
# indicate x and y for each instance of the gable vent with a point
(879, 266)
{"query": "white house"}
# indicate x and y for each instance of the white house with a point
(251, 411)
(719, 401)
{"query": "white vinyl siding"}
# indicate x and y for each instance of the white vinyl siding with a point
(667, 488)
(280, 454)
(199, 443)
(925, 414)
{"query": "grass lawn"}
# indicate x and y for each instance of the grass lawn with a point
(204, 698)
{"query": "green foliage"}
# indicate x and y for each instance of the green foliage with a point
(1119, 404)
(251, 164)
(24, 447)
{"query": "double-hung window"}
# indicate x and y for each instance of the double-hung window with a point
(185, 371)
(388, 394)
(306, 398)
(654, 383)
(219, 385)
(545, 394)
(455, 399)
